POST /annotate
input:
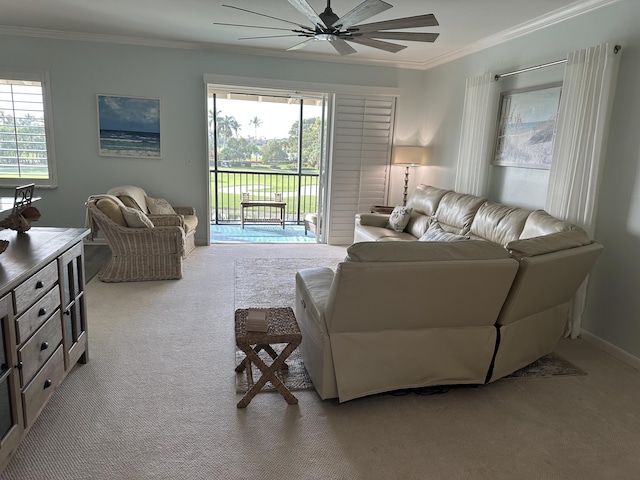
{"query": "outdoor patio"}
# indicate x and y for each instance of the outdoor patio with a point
(259, 233)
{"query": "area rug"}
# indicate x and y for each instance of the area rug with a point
(265, 282)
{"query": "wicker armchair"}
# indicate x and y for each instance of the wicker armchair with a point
(138, 254)
(135, 197)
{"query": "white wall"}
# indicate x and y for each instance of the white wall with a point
(80, 70)
(613, 304)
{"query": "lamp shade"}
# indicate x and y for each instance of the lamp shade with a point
(410, 155)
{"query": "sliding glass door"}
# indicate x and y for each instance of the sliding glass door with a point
(265, 146)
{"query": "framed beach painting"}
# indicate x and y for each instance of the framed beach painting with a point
(527, 126)
(129, 126)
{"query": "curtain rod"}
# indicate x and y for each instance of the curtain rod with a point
(498, 76)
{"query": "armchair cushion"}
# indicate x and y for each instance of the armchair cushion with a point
(159, 206)
(135, 218)
(112, 210)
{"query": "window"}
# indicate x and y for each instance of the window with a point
(26, 133)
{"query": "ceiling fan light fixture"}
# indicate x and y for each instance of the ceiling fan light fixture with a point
(338, 30)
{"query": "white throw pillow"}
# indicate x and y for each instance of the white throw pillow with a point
(159, 206)
(135, 218)
(399, 218)
(435, 233)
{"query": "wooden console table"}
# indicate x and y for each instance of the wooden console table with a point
(43, 324)
(262, 203)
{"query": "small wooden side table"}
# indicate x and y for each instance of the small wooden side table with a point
(283, 328)
(381, 209)
(262, 203)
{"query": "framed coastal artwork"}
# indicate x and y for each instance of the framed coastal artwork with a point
(129, 126)
(526, 130)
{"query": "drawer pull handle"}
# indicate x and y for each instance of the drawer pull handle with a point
(44, 345)
(304, 305)
(19, 366)
(67, 311)
(42, 311)
(39, 284)
(47, 383)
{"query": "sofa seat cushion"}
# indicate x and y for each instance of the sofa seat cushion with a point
(499, 223)
(553, 242)
(373, 234)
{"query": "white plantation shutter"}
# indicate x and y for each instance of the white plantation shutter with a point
(360, 153)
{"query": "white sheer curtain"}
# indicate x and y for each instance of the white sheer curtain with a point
(580, 146)
(478, 119)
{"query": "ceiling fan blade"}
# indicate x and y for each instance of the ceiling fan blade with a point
(303, 7)
(300, 45)
(361, 12)
(306, 27)
(342, 47)
(269, 36)
(409, 36)
(428, 20)
(251, 26)
(386, 46)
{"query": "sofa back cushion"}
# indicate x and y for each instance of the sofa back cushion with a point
(499, 223)
(418, 224)
(407, 285)
(457, 210)
(553, 242)
(425, 199)
(541, 223)
(424, 251)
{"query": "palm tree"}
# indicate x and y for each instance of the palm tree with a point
(256, 122)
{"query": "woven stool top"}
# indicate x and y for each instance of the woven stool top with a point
(283, 327)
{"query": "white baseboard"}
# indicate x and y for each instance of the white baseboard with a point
(616, 352)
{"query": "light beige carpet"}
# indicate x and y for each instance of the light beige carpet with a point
(157, 401)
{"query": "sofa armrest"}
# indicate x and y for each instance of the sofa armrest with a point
(185, 210)
(372, 219)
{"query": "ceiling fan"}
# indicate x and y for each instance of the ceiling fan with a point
(327, 26)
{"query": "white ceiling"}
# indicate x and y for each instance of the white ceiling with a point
(465, 25)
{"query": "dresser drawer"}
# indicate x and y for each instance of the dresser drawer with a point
(32, 289)
(38, 392)
(36, 315)
(39, 348)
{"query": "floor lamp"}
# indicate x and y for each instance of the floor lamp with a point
(409, 156)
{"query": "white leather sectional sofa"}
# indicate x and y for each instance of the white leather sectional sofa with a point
(401, 313)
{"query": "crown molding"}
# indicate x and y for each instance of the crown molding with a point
(557, 16)
(578, 8)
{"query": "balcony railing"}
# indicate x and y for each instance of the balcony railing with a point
(299, 191)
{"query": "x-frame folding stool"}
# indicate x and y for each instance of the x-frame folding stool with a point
(283, 328)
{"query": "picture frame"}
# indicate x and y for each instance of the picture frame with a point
(129, 126)
(526, 129)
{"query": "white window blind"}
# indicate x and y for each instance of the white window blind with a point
(360, 153)
(26, 141)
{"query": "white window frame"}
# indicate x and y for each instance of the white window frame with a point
(41, 76)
